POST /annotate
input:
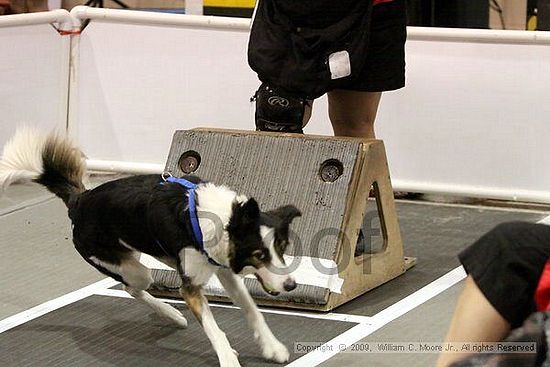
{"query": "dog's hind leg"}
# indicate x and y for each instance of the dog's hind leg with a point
(272, 348)
(164, 310)
(137, 278)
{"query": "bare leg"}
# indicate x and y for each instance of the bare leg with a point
(272, 349)
(352, 113)
(474, 320)
(198, 304)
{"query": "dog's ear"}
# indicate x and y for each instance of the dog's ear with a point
(286, 213)
(250, 211)
(245, 215)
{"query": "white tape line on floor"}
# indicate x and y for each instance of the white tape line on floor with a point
(358, 332)
(54, 304)
(545, 220)
(312, 315)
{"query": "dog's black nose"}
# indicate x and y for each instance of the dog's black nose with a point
(289, 284)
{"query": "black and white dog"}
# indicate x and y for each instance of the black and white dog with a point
(117, 221)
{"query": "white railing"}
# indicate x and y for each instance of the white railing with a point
(68, 21)
(157, 18)
(470, 191)
(197, 21)
(478, 35)
(60, 16)
(124, 167)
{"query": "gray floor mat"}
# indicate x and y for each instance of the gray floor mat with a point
(427, 323)
(37, 260)
(108, 331)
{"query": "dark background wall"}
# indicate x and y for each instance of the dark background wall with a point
(449, 13)
(543, 15)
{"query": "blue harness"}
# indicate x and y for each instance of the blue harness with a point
(191, 187)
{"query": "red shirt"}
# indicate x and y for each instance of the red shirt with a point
(376, 2)
(542, 294)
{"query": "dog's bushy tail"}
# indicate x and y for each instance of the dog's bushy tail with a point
(51, 160)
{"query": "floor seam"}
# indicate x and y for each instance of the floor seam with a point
(26, 205)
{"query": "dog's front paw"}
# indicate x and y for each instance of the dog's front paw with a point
(275, 351)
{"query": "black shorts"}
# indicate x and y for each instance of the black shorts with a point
(384, 68)
(506, 264)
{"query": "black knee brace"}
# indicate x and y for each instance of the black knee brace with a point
(278, 111)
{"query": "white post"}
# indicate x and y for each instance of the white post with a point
(514, 13)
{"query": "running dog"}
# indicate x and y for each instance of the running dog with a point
(196, 227)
